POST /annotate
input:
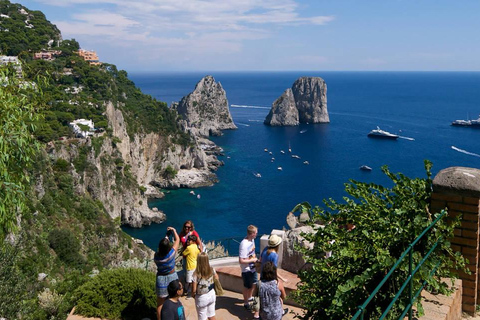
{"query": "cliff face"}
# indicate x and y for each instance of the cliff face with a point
(120, 172)
(309, 99)
(283, 112)
(205, 110)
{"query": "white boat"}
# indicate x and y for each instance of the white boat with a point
(279, 169)
(273, 159)
(295, 156)
(289, 148)
(192, 192)
(266, 150)
(467, 123)
(282, 152)
(303, 131)
(306, 162)
(379, 133)
(270, 153)
(198, 196)
(365, 168)
(258, 175)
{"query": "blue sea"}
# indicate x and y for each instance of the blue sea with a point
(419, 106)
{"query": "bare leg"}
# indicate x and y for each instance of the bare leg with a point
(160, 302)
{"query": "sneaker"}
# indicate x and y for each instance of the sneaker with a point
(247, 306)
(285, 311)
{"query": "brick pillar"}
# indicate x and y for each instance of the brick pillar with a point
(458, 189)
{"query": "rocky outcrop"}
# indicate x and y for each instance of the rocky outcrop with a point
(309, 101)
(122, 171)
(205, 110)
(284, 111)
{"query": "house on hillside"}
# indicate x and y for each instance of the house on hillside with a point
(90, 56)
(48, 55)
(82, 128)
(13, 60)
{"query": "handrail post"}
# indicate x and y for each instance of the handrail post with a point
(410, 291)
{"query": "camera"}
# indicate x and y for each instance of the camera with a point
(169, 233)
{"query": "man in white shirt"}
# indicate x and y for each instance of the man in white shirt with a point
(247, 259)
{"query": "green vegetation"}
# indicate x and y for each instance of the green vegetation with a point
(17, 146)
(169, 172)
(118, 294)
(366, 235)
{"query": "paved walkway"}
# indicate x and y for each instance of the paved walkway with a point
(229, 306)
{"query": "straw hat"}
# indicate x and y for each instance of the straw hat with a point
(274, 241)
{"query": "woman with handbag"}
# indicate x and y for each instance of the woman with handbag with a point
(204, 288)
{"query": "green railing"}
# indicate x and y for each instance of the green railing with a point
(408, 282)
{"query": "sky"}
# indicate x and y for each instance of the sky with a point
(273, 35)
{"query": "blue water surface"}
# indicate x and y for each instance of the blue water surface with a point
(417, 106)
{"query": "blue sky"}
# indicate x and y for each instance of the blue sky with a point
(280, 35)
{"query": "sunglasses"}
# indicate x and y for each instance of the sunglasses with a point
(188, 227)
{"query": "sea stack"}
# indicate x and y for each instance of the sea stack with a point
(205, 110)
(305, 102)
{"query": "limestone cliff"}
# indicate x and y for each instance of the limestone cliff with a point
(205, 110)
(309, 100)
(120, 170)
(283, 112)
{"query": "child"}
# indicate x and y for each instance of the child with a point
(190, 253)
(172, 307)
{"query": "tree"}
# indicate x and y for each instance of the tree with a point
(366, 235)
(19, 111)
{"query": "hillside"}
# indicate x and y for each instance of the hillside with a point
(78, 191)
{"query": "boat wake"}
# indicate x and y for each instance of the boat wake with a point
(248, 107)
(253, 120)
(243, 124)
(466, 152)
(406, 138)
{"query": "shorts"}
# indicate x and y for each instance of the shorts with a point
(205, 304)
(189, 276)
(249, 279)
(162, 284)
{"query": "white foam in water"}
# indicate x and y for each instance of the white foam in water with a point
(466, 152)
(406, 138)
(255, 120)
(248, 107)
(243, 124)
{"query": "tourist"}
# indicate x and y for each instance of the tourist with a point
(190, 254)
(270, 252)
(204, 288)
(271, 293)
(165, 260)
(173, 308)
(188, 230)
(247, 259)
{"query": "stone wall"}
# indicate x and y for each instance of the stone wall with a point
(458, 190)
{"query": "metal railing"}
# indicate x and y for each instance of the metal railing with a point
(408, 282)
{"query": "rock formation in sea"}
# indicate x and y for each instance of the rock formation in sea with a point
(205, 110)
(305, 102)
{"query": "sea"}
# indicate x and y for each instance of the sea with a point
(418, 106)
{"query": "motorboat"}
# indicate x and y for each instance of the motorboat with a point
(192, 192)
(295, 156)
(270, 153)
(379, 133)
(198, 196)
(279, 169)
(258, 175)
(282, 152)
(266, 150)
(306, 162)
(365, 168)
(303, 131)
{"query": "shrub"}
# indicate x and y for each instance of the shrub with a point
(169, 172)
(118, 294)
(66, 246)
(366, 235)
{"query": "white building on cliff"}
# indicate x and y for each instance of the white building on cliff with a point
(82, 128)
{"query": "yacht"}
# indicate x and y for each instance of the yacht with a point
(467, 123)
(295, 156)
(379, 133)
(365, 168)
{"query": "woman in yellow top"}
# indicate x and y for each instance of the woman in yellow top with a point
(190, 253)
